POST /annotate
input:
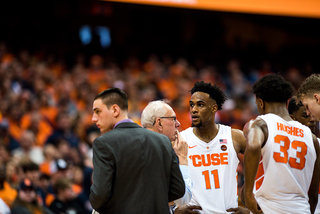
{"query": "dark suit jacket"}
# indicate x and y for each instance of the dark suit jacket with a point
(135, 171)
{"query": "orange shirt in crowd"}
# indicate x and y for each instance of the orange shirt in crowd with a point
(8, 194)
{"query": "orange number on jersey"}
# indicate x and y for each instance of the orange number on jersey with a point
(284, 151)
(283, 148)
(301, 155)
(215, 178)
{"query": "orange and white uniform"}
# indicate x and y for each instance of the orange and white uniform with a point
(213, 169)
(286, 167)
(317, 211)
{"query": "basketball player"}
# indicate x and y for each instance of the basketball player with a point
(213, 150)
(309, 94)
(281, 161)
(298, 112)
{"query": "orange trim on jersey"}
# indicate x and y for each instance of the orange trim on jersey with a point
(260, 175)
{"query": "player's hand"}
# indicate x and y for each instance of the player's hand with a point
(252, 204)
(186, 209)
(180, 146)
(239, 210)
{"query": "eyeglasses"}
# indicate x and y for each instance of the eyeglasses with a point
(174, 119)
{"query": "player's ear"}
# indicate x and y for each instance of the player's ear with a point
(293, 118)
(317, 97)
(261, 103)
(214, 107)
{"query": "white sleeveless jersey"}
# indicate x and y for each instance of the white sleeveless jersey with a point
(317, 211)
(213, 169)
(286, 167)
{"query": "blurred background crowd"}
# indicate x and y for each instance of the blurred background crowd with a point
(50, 73)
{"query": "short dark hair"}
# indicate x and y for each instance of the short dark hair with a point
(29, 166)
(214, 92)
(273, 88)
(114, 96)
(293, 106)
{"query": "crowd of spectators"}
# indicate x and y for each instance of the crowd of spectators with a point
(46, 132)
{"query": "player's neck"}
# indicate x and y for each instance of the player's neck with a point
(281, 111)
(206, 133)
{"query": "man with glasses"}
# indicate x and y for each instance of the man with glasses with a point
(135, 170)
(159, 117)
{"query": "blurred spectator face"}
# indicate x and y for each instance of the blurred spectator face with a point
(27, 195)
(27, 139)
(51, 152)
(44, 182)
(67, 194)
(64, 121)
(63, 148)
(33, 175)
(27, 191)
(12, 171)
(77, 175)
(4, 154)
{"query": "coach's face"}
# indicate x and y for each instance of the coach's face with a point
(170, 123)
(102, 116)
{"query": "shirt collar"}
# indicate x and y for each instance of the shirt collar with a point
(123, 121)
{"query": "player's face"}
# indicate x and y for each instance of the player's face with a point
(102, 116)
(312, 106)
(201, 109)
(302, 116)
(170, 124)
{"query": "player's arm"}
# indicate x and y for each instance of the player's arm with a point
(256, 137)
(314, 186)
(239, 141)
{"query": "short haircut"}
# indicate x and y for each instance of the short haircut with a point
(152, 111)
(214, 92)
(309, 86)
(29, 166)
(294, 106)
(113, 96)
(273, 88)
(62, 184)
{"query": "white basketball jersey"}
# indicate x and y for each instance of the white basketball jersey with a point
(213, 168)
(285, 171)
(317, 211)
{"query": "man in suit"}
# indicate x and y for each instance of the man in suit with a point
(158, 116)
(135, 169)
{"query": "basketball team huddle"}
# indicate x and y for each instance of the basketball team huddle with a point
(281, 154)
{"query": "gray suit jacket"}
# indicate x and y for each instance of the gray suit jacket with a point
(135, 171)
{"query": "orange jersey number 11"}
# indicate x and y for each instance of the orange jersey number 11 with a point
(215, 178)
(283, 157)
